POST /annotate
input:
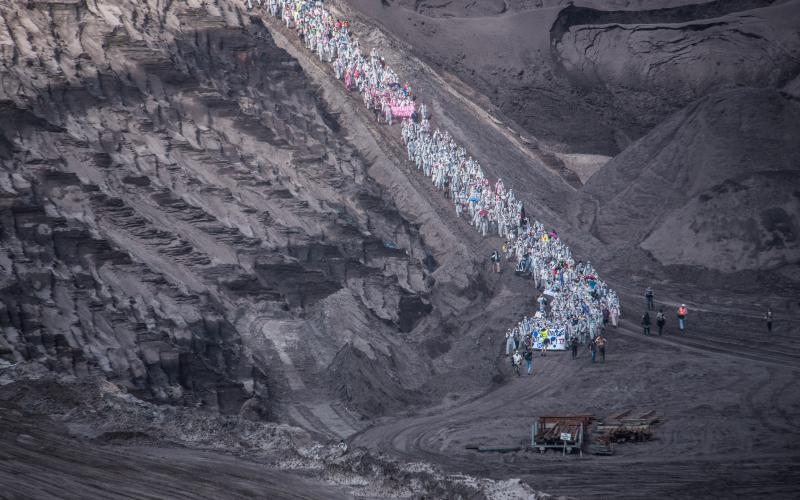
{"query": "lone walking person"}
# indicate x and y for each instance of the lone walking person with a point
(768, 319)
(511, 344)
(529, 359)
(648, 296)
(646, 323)
(682, 317)
(516, 360)
(573, 343)
(660, 321)
(496, 260)
(601, 346)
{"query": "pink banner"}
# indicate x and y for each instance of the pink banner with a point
(402, 111)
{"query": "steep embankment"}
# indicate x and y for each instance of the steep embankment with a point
(715, 186)
(182, 214)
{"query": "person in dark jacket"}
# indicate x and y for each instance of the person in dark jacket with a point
(495, 258)
(768, 319)
(661, 319)
(573, 344)
(646, 323)
(528, 359)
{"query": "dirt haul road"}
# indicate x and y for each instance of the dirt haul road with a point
(726, 397)
(727, 424)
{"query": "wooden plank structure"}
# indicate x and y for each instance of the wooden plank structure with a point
(570, 433)
(625, 427)
(565, 432)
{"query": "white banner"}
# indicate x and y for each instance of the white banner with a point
(557, 342)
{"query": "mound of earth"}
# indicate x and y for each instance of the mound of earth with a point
(714, 186)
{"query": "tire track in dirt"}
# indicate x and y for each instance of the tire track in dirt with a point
(676, 463)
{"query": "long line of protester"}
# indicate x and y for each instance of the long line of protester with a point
(579, 303)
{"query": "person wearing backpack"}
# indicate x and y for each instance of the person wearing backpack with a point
(660, 321)
(682, 317)
(646, 323)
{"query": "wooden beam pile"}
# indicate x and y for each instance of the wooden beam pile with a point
(626, 427)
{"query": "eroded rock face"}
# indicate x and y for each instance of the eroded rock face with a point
(181, 213)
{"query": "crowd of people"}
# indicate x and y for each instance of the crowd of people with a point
(574, 304)
(330, 39)
(579, 303)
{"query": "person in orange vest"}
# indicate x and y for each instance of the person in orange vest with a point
(682, 317)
